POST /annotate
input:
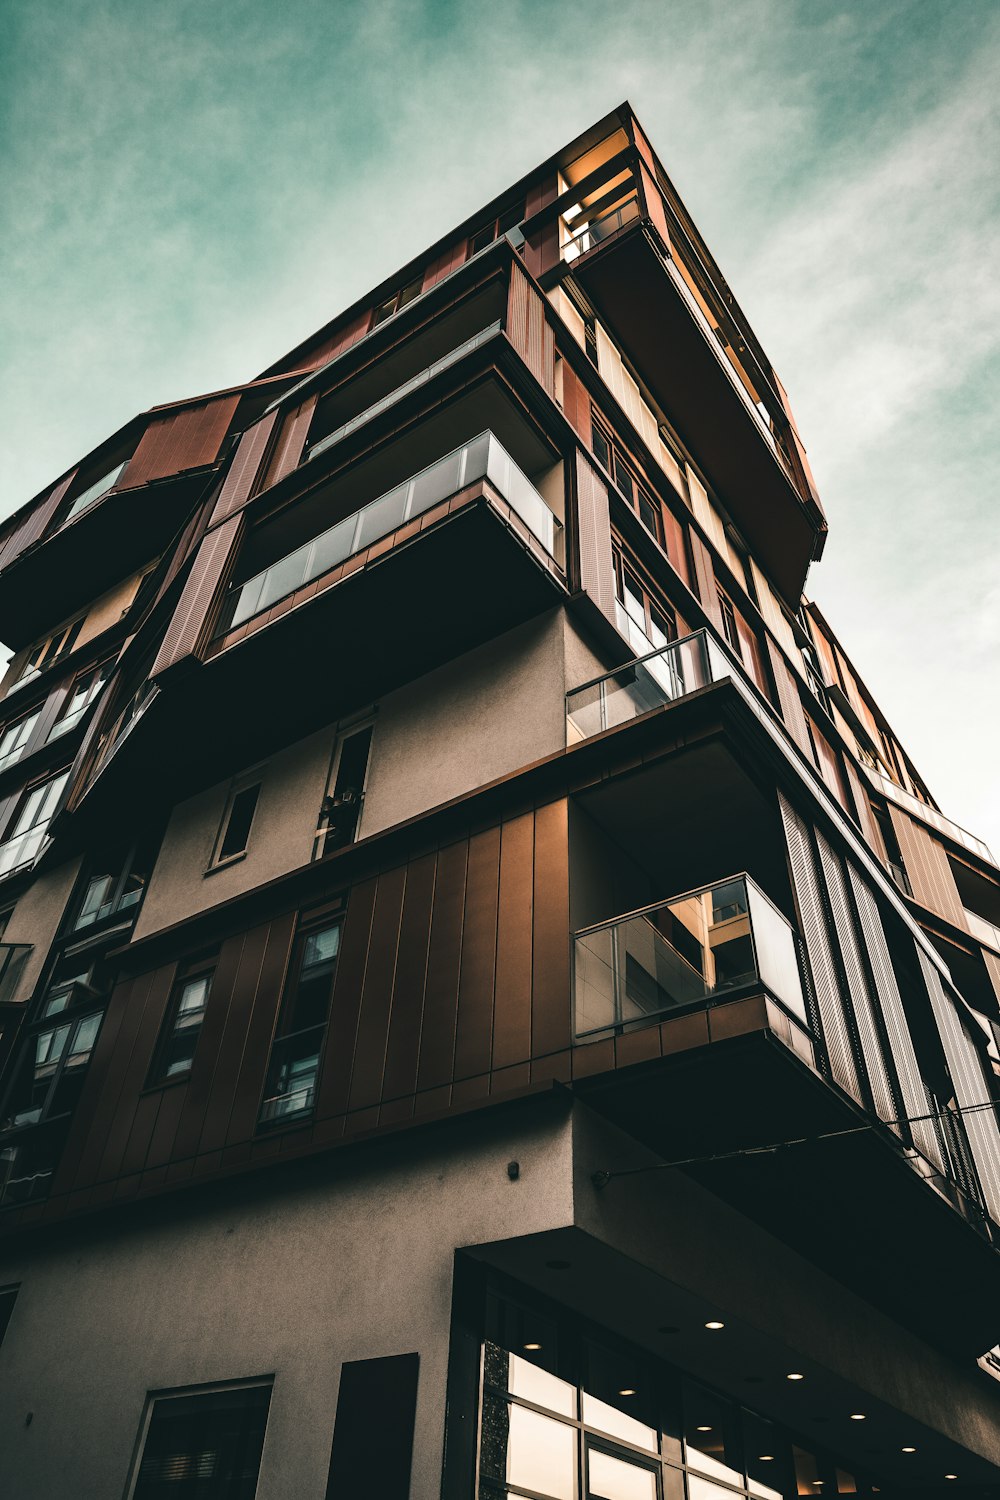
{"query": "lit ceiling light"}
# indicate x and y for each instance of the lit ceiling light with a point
(626, 1390)
(532, 1346)
(714, 1323)
(857, 1416)
(765, 1458)
(951, 1476)
(909, 1450)
(703, 1429)
(795, 1375)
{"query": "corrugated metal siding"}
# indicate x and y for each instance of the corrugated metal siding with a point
(805, 879)
(239, 482)
(34, 523)
(869, 827)
(179, 440)
(597, 576)
(911, 1083)
(857, 980)
(528, 330)
(971, 1087)
(291, 441)
(190, 619)
(927, 866)
(789, 700)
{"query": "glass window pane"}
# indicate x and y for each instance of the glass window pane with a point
(541, 1388)
(204, 1446)
(540, 1454)
(383, 516)
(614, 1479)
(704, 1489)
(86, 1035)
(283, 578)
(321, 947)
(618, 1424)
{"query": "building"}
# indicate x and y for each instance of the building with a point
(489, 1006)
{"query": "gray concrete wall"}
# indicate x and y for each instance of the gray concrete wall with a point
(291, 1284)
(474, 720)
(36, 919)
(281, 839)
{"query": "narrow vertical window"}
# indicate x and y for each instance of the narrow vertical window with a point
(373, 1433)
(290, 1088)
(182, 1028)
(237, 821)
(342, 809)
(8, 1296)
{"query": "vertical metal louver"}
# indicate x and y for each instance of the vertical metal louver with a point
(857, 981)
(805, 876)
(971, 1086)
(911, 1082)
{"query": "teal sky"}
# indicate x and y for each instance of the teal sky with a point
(188, 187)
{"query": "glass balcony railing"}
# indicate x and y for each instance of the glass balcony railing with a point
(601, 228)
(987, 933)
(482, 458)
(931, 816)
(693, 951)
(651, 681)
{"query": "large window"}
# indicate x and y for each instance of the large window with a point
(27, 831)
(202, 1444)
(42, 655)
(645, 621)
(116, 883)
(233, 837)
(49, 1072)
(397, 301)
(608, 453)
(290, 1089)
(342, 808)
(93, 492)
(15, 737)
(82, 694)
(495, 228)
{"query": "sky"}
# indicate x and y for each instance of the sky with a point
(188, 188)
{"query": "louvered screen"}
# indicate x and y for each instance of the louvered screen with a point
(879, 1076)
(529, 331)
(911, 1083)
(239, 482)
(596, 572)
(928, 869)
(288, 449)
(705, 575)
(805, 877)
(971, 1087)
(789, 700)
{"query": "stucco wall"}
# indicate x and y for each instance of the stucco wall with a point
(281, 839)
(474, 720)
(292, 1283)
(36, 918)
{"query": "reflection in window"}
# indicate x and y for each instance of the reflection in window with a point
(85, 689)
(290, 1090)
(204, 1446)
(86, 498)
(27, 832)
(49, 1074)
(15, 737)
(612, 1478)
(185, 1015)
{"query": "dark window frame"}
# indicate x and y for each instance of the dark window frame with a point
(137, 1488)
(197, 972)
(240, 786)
(284, 1036)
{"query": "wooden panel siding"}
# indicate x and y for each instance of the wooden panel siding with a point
(453, 982)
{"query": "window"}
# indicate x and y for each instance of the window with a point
(608, 453)
(27, 830)
(646, 623)
(49, 650)
(50, 1070)
(86, 498)
(237, 820)
(182, 1028)
(82, 694)
(342, 809)
(116, 883)
(376, 1409)
(496, 228)
(729, 629)
(290, 1089)
(397, 301)
(8, 1296)
(202, 1444)
(15, 738)
(590, 339)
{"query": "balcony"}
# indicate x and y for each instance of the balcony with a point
(930, 816)
(704, 948)
(482, 459)
(650, 682)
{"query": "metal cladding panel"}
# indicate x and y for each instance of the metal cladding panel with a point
(808, 894)
(829, 766)
(992, 962)
(789, 700)
(180, 440)
(34, 523)
(576, 403)
(211, 563)
(529, 331)
(445, 264)
(911, 1083)
(291, 441)
(927, 866)
(654, 204)
(673, 533)
(971, 1086)
(239, 482)
(705, 576)
(597, 577)
(857, 982)
(869, 827)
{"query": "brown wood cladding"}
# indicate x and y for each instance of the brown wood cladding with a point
(927, 867)
(453, 984)
(529, 330)
(34, 523)
(179, 440)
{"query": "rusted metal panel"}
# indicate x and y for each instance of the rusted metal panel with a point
(180, 440)
(190, 621)
(673, 537)
(529, 331)
(243, 471)
(409, 991)
(445, 263)
(334, 1083)
(512, 1003)
(291, 441)
(927, 867)
(35, 522)
(597, 577)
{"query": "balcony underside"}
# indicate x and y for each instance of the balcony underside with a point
(447, 590)
(631, 291)
(98, 548)
(851, 1204)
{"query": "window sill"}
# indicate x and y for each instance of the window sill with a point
(226, 864)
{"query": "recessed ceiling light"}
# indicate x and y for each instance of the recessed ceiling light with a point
(765, 1458)
(703, 1429)
(909, 1450)
(532, 1346)
(795, 1375)
(626, 1390)
(857, 1416)
(714, 1323)
(951, 1476)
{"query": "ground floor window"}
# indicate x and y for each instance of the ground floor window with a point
(202, 1444)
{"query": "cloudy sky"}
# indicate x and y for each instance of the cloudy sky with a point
(189, 187)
